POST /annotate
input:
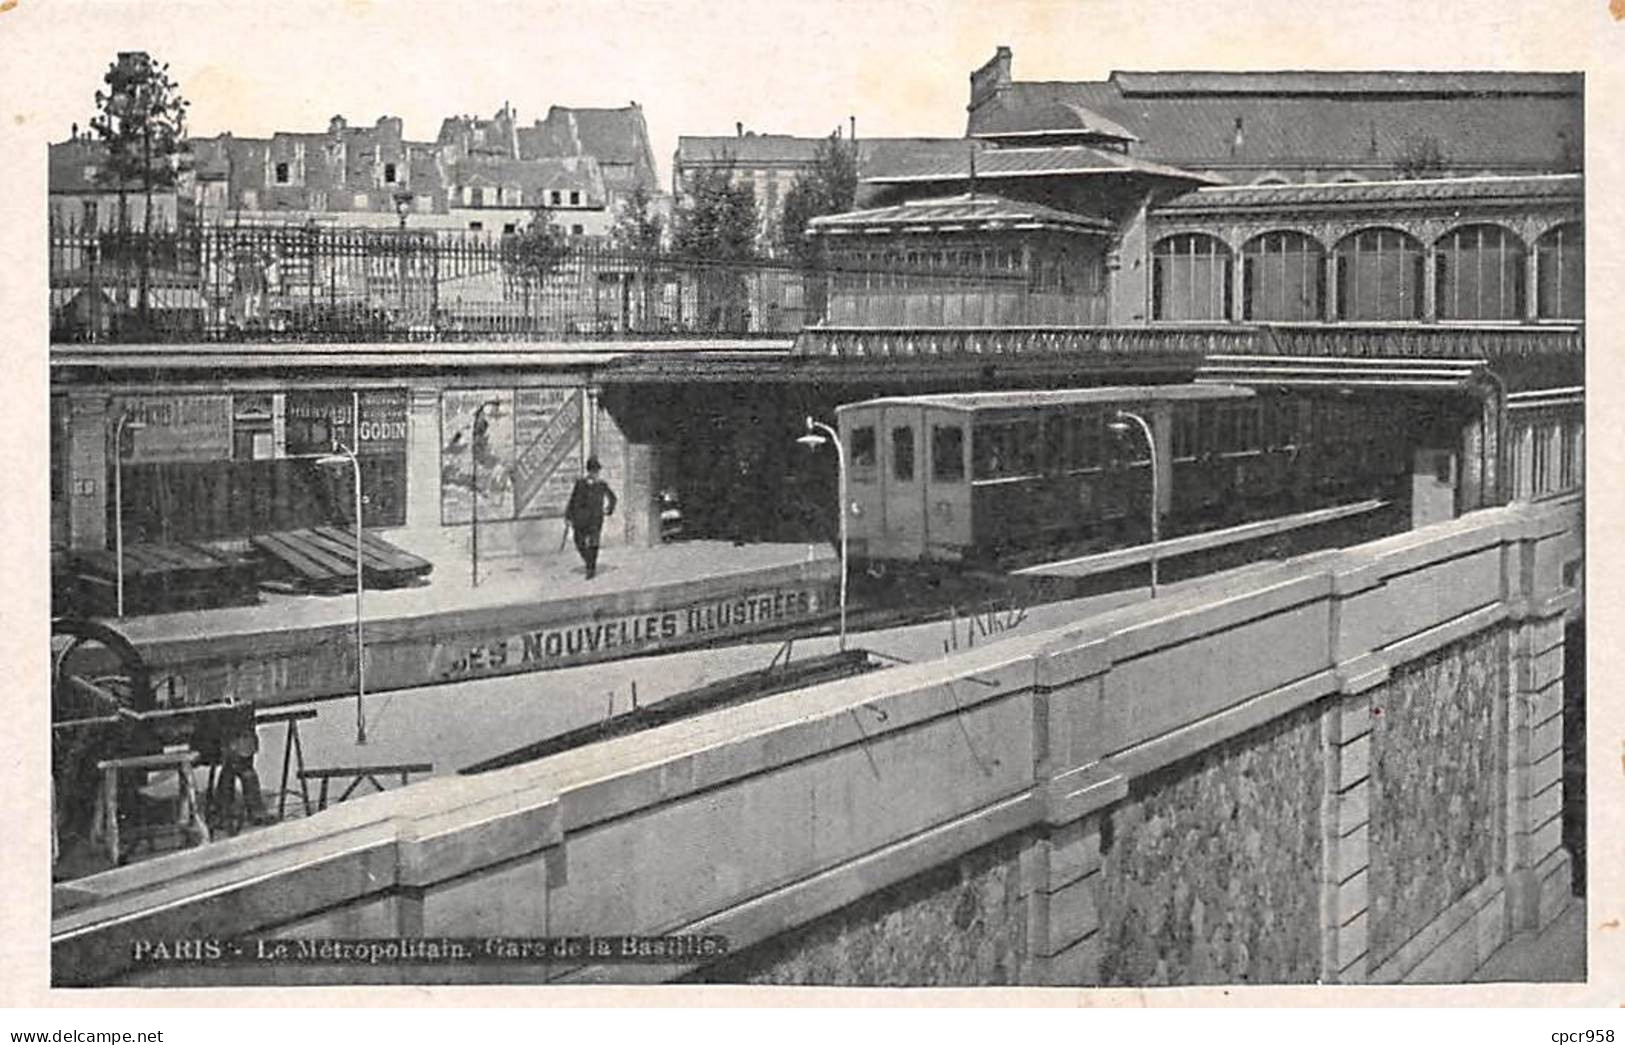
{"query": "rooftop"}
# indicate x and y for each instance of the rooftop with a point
(1476, 121)
(964, 213)
(1520, 188)
(954, 164)
(1061, 397)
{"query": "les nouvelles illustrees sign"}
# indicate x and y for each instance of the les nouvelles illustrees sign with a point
(581, 641)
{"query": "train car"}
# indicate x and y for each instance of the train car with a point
(988, 475)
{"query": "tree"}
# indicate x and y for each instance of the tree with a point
(719, 225)
(638, 228)
(141, 118)
(719, 222)
(535, 251)
(829, 187)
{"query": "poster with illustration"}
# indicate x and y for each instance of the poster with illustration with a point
(524, 459)
(476, 454)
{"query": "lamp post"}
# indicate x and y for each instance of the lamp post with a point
(341, 456)
(1121, 424)
(478, 437)
(125, 423)
(813, 440)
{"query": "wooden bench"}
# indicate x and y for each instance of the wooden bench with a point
(164, 577)
(358, 774)
(322, 559)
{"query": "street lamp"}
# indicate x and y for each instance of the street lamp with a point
(1121, 424)
(125, 423)
(341, 456)
(479, 437)
(813, 440)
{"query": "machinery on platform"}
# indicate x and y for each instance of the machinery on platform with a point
(109, 734)
(998, 477)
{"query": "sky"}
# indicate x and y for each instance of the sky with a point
(901, 67)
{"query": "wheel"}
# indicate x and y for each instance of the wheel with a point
(95, 671)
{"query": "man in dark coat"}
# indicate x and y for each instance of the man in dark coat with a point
(591, 501)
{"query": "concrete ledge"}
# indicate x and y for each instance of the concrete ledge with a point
(1198, 736)
(1448, 944)
(800, 902)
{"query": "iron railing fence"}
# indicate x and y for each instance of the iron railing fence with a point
(298, 283)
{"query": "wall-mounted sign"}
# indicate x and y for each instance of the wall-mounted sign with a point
(594, 638)
(318, 419)
(175, 428)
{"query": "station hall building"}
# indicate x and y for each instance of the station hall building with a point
(1340, 234)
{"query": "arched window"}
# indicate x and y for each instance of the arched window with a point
(1379, 275)
(1190, 278)
(1282, 277)
(1478, 273)
(1560, 273)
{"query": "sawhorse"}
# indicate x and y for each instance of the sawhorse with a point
(358, 774)
(293, 753)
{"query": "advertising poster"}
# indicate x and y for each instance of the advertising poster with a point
(166, 429)
(476, 454)
(316, 420)
(547, 436)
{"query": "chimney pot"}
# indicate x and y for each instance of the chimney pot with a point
(739, 129)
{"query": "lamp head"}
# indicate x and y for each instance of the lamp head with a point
(812, 440)
(333, 461)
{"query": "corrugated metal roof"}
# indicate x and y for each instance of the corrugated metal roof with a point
(1125, 394)
(979, 211)
(1431, 190)
(748, 150)
(1050, 161)
(1473, 132)
(1362, 82)
(1059, 118)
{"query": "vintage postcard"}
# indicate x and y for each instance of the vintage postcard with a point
(1037, 499)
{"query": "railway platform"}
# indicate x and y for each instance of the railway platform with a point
(526, 613)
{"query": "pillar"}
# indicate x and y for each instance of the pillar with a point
(1061, 870)
(1346, 738)
(423, 459)
(1536, 865)
(1430, 284)
(89, 433)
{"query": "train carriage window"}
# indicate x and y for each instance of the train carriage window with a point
(989, 455)
(1024, 460)
(902, 453)
(1207, 435)
(1184, 434)
(1248, 424)
(947, 453)
(862, 448)
(1055, 444)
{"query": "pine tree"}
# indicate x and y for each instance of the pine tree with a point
(141, 119)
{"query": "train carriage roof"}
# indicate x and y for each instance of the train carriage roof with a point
(975, 402)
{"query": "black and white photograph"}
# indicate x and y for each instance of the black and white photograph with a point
(981, 496)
